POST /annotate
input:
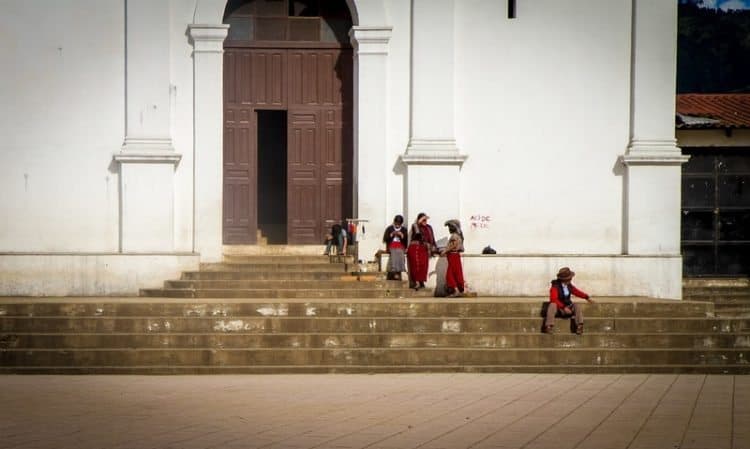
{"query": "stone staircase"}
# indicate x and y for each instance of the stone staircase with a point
(283, 277)
(312, 314)
(178, 336)
(730, 296)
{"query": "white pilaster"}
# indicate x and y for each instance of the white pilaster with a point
(147, 159)
(147, 76)
(653, 160)
(208, 116)
(370, 134)
(432, 158)
(147, 202)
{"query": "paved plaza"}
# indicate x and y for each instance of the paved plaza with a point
(529, 411)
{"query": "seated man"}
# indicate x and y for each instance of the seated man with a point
(560, 302)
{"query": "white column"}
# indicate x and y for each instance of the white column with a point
(370, 135)
(147, 159)
(208, 113)
(432, 159)
(653, 160)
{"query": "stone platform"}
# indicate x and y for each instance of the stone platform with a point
(149, 335)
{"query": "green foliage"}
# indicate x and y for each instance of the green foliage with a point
(713, 50)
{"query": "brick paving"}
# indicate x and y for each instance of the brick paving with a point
(431, 411)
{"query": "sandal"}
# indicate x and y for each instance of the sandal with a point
(579, 329)
(548, 329)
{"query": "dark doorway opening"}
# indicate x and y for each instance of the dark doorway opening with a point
(272, 181)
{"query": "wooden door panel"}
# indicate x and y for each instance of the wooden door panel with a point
(268, 78)
(332, 166)
(239, 209)
(303, 177)
(253, 79)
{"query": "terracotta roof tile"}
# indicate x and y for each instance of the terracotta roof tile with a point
(713, 111)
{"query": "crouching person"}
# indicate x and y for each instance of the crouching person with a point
(560, 303)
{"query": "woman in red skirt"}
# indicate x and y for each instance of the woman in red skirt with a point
(421, 247)
(454, 277)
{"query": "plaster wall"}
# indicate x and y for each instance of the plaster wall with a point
(596, 274)
(61, 118)
(542, 111)
(181, 120)
(89, 274)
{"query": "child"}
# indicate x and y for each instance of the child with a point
(560, 302)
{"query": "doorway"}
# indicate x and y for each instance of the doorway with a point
(716, 212)
(272, 181)
(288, 102)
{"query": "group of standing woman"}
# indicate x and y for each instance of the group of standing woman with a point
(416, 245)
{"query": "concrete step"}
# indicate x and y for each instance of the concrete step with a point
(292, 259)
(711, 294)
(238, 275)
(346, 308)
(221, 340)
(278, 293)
(702, 282)
(277, 324)
(349, 282)
(273, 250)
(206, 369)
(417, 357)
(276, 267)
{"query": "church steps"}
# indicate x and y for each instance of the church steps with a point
(279, 293)
(307, 313)
(344, 325)
(266, 336)
(283, 284)
(276, 267)
(730, 297)
(374, 369)
(467, 340)
(465, 357)
(501, 308)
(279, 259)
(270, 276)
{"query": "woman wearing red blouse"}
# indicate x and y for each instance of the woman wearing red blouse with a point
(396, 238)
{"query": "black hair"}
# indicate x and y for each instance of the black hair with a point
(398, 219)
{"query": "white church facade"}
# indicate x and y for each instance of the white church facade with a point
(141, 138)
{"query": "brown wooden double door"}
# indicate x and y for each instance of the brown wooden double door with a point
(314, 87)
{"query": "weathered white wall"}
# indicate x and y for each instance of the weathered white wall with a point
(597, 275)
(181, 120)
(61, 118)
(542, 111)
(89, 274)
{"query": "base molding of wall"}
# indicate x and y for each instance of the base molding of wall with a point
(599, 275)
(89, 274)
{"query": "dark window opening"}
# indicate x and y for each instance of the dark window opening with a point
(511, 9)
(272, 180)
